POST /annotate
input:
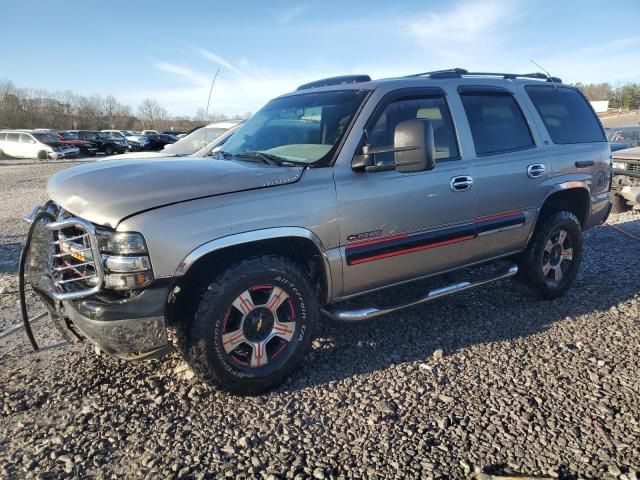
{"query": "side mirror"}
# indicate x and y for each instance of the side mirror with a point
(414, 147)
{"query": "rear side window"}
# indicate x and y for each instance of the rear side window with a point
(13, 137)
(497, 123)
(3, 136)
(566, 114)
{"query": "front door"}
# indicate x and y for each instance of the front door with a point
(399, 226)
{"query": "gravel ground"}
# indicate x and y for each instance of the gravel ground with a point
(489, 380)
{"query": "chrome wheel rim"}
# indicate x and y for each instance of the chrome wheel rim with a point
(557, 257)
(259, 326)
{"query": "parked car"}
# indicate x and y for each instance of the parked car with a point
(343, 187)
(625, 191)
(136, 140)
(158, 141)
(104, 143)
(629, 135)
(118, 135)
(31, 144)
(189, 145)
(86, 148)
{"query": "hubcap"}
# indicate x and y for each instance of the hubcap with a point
(557, 256)
(258, 326)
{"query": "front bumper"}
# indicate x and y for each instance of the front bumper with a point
(132, 328)
(64, 154)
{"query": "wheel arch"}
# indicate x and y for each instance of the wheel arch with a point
(573, 196)
(293, 242)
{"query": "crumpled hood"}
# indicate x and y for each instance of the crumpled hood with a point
(106, 192)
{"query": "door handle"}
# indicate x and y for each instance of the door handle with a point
(461, 183)
(536, 170)
(585, 164)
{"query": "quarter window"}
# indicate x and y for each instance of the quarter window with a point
(566, 114)
(426, 108)
(497, 123)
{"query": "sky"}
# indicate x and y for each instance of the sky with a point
(171, 51)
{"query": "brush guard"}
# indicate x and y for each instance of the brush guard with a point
(33, 270)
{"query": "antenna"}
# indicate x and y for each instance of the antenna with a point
(549, 77)
(206, 112)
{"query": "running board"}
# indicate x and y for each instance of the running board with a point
(506, 270)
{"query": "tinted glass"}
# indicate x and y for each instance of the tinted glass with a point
(497, 123)
(567, 115)
(427, 108)
(13, 137)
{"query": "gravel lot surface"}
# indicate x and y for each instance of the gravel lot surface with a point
(489, 380)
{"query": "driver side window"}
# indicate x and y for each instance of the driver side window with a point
(432, 108)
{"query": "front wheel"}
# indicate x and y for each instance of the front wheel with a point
(253, 326)
(550, 264)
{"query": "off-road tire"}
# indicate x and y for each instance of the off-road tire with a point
(620, 205)
(201, 341)
(532, 260)
(42, 155)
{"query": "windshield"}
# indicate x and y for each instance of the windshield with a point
(194, 141)
(46, 137)
(304, 128)
(69, 136)
(128, 133)
(628, 135)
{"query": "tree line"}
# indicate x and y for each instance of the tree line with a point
(66, 110)
(626, 97)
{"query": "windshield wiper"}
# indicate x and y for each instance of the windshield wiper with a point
(261, 157)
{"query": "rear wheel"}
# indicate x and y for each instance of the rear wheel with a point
(550, 264)
(253, 326)
(108, 150)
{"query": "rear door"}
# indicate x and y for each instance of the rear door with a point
(398, 226)
(509, 169)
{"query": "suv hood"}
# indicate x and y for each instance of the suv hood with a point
(106, 192)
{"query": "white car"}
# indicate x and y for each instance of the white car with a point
(41, 145)
(190, 145)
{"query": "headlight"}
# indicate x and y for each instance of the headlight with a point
(124, 256)
(121, 243)
(619, 165)
(118, 263)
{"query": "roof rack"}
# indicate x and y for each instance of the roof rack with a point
(461, 72)
(341, 80)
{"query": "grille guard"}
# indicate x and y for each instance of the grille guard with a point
(58, 291)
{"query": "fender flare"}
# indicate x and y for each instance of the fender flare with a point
(256, 236)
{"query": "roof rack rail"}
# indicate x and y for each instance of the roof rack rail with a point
(341, 80)
(461, 72)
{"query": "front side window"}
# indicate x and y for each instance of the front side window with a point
(566, 113)
(24, 138)
(432, 108)
(302, 129)
(45, 138)
(497, 123)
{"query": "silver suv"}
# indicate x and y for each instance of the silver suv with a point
(340, 188)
